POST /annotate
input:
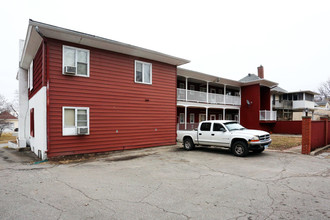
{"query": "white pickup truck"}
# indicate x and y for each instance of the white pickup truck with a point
(229, 134)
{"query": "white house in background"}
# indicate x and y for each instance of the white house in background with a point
(292, 105)
(10, 121)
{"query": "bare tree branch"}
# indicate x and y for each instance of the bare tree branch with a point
(324, 89)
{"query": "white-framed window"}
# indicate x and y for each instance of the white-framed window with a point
(191, 118)
(181, 85)
(74, 120)
(30, 76)
(202, 89)
(213, 90)
(143, 72)
(76, 58)
(220, 117)
(212, 117)
(181, 118)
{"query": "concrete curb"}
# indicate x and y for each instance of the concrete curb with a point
(318, 150)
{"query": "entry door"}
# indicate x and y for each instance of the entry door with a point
(202, 117)
(204, 133)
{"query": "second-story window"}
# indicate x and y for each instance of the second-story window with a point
(143, 72)
(75, 61)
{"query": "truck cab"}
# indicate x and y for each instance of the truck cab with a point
(228, 134)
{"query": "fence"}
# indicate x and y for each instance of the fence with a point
(287, 127)
(315, 134)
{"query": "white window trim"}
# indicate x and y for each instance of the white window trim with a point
(30, 76)
(76, 60)
(192, 116)
(181, 115)
(220, 117)
(137, 61)
(73, 131)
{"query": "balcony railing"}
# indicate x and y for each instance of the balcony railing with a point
(284, 104)
(266, 115)
(196, 96)
(302, 104)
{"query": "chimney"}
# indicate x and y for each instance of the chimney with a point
(261, 72)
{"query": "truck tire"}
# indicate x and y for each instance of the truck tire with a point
(240, 148)
(188, 144)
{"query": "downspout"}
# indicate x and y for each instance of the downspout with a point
(45, 68)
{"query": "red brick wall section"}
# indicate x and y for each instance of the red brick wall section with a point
(306, 135)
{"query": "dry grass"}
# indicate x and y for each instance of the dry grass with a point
(282, 142)
(7, 137)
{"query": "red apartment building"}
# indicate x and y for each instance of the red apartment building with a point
(205, 97)
(80, 93)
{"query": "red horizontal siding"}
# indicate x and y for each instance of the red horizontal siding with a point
(144, 115)
(37, 72)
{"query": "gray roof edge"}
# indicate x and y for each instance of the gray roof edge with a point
(180, 61)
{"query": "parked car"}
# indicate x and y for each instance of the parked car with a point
(228, 134)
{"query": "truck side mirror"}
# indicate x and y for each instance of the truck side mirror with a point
(222, 129)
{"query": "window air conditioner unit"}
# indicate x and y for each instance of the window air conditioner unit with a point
(70, 70)
(82, 131)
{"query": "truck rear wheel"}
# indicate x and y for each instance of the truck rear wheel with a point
(188, 144)
(240, 149)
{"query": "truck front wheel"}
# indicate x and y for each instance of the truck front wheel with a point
(188, 144)
(240, 148)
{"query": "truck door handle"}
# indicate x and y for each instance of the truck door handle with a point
(200, 133)
(212, 134)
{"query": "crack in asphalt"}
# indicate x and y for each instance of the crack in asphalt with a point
(87, 196)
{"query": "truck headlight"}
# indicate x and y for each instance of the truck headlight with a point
(254, 139)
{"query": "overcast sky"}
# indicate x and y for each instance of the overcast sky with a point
(290, 38)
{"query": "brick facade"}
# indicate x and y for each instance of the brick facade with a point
(306, 135)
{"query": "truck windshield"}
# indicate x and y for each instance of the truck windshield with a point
(231, 126)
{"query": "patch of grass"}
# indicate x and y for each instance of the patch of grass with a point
(282, 142)
(5, 138)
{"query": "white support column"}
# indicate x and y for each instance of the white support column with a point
(240, 95)
(207, 113)
(239, 115)
(224, 114)
(23, 118)
(224, 92)
(186, 88)
(185, 117)
(207, 92)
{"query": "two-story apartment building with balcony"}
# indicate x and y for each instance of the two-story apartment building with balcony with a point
(202, 96)
(292, 105)
(80, 93)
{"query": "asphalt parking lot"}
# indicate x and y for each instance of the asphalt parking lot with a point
(168, 183)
